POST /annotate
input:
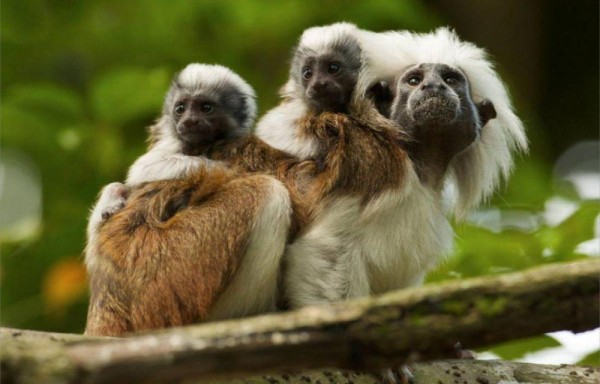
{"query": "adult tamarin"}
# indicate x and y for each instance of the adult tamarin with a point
(392, 232)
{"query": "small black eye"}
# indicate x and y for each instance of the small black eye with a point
(306, 73)
(334, 68)
(207, 108)
(179, 108)
(451, 80)
(414, 80)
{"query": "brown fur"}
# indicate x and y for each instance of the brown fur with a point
(164, 259)
(157, 270)
(364, 154)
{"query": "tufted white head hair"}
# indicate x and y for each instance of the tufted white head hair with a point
(476, 172)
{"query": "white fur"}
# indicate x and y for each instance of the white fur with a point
(254, 287)
(477, 171)
(200, 77)
(112, 198)
(384, 54)
(157, 165)
(278, 129)
(351, 251)
(319, 39)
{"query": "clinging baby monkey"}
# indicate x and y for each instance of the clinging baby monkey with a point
(323, 74)
(205, 104)
(148, 269)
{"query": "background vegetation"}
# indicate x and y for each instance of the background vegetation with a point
(81, 80)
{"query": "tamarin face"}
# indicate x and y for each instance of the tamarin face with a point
(435, 99)
(207, 103)
(203, 117)
(328, 78)
(431, 93)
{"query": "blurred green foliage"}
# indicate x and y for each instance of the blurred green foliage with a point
(81, 80)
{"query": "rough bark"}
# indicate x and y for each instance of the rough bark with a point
(367, 334)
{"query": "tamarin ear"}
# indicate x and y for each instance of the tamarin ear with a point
(381, 92)
(486, 111)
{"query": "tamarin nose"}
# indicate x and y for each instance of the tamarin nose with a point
(433, 86)
(190, 123)
(321, 85)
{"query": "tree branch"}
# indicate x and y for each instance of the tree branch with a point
(404, 326)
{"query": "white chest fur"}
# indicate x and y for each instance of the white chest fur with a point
(352, 250)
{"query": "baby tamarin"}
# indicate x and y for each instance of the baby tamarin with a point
(220, 257)
(204, 104)
(324, 71)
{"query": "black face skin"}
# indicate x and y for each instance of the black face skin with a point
(433, 102)
(206, 117)
(328, 79)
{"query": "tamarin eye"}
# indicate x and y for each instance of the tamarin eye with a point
(306, 73)
(414, 80)
(179, 108)
(207, 108)
(333, 68)
(451, 80)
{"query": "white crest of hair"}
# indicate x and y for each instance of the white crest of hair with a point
(385, 55)
(320, 39)
(196, 77)
(477, 171)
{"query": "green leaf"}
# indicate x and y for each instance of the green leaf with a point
(593, 359)
(516, 349)
(577, 228)
(128, 94)
(53, 104)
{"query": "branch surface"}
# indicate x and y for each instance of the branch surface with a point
(367, 334)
